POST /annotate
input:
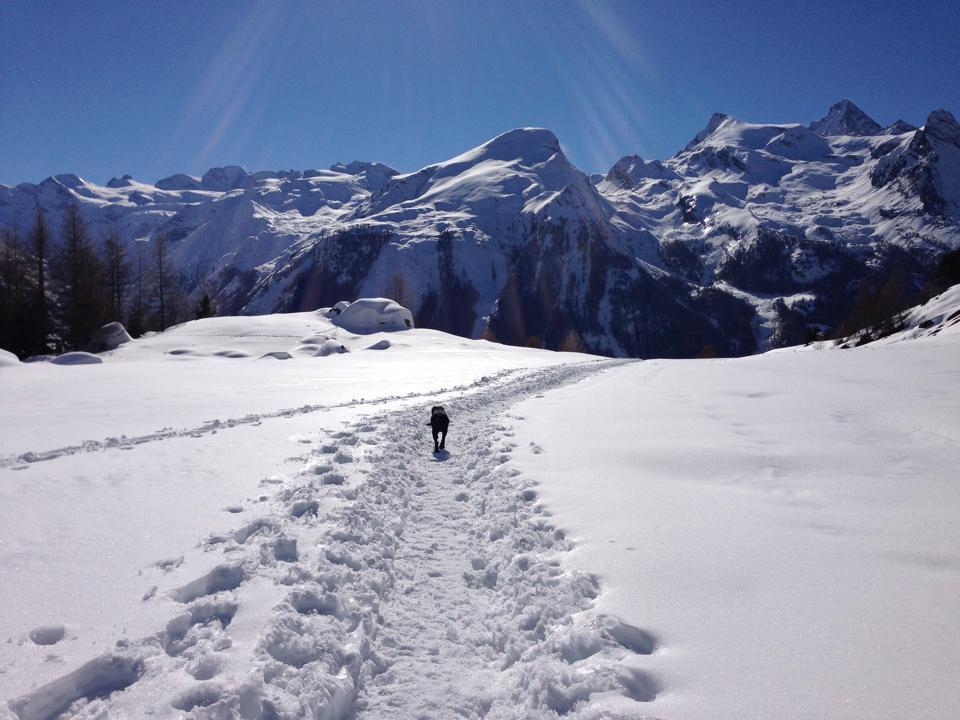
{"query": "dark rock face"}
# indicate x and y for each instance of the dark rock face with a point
(334, 269)
(899, 128)
(569, 288)
(776, 261)
(452, 306)
(915, 167)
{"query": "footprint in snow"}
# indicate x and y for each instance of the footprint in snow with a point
(304, 507)
(47, 634)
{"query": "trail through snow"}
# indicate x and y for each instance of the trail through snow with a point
(21, 460)
(383, 582)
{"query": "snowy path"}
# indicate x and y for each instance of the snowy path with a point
(383, 582)
(20, 461)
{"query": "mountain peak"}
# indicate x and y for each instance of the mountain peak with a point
(845, 118)
(716, 120)
(229, 177)
(529, 144)
(119, 182)
(942, 125)
(72, 181)
(630, 170)
(360, 166)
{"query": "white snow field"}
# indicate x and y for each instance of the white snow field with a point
(198, 528)
(786, 525)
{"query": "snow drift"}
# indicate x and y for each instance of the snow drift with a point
(109, 337)
(370, 315)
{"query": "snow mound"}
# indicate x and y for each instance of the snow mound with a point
(370, 315)
(331, 347)
(277, 355)
(77, 358)
(109, 337)
(8, 358)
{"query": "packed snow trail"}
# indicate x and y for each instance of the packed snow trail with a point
(20, 461)
(434, 587)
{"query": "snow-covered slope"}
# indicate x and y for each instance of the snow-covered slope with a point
(939, 314)
(742, 240)
(785, 525)
(113, 473)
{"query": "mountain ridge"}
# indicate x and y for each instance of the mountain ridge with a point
(747, 238)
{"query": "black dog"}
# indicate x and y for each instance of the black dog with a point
(439, 422)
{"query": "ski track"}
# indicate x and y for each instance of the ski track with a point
(21, 461)
(384, 582)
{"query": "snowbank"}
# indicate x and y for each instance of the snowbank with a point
(8, 358)
(77, 358)
(370, 315)
(109, 337)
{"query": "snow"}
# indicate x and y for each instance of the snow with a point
(189, 529)
(109, 482)
(8, 358)
(48, 634)
(77, 358)
(370, 315)
(109, 337)
(941, 310)
(785, 526)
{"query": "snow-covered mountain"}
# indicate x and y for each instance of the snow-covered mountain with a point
(845, 118)
(740, 241)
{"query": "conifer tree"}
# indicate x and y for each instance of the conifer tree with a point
(38, 308)
(136, 323)
(13, 292)
(80, 279)
(162, 281)
(206, 308)
(117, 273)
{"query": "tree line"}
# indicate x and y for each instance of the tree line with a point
(55, 295)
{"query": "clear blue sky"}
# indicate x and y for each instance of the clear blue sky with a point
(152, 88)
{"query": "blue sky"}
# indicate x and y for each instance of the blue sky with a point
(106, 88)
